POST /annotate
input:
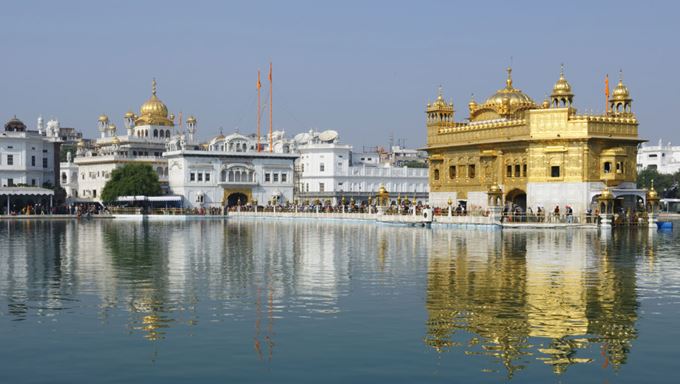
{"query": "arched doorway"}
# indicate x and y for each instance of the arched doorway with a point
(518, 198)
(236, 198)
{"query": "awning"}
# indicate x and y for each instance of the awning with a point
(26, 191)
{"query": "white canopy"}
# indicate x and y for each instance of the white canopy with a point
(23, 191)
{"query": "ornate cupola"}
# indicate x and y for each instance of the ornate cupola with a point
(562, 95)
(509, 100)
(439, 111)
(620, 101)
(472, 105)
(102, 124)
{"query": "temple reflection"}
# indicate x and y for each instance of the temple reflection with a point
(517, 296)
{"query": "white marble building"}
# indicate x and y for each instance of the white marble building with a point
(27, 157)
(662, 158)
(329, 170)
(143, 142)
(229, 171)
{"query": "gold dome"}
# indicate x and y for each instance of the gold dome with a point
(652, 195)
(440, 104)
(382, 190)
(111, 127)
(562, 86)
(81, 143)
(472, 105)
(620, 92)
(191, 120)
(606, 195)
(129, 114)
(103, 118)
(509, 99)
(115, 140)
(494, 189)
(154, 111)
(546, 103)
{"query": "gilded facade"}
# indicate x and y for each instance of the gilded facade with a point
(538, 154)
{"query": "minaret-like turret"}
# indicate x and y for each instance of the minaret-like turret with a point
(439, 111)
(620, 103)
(191, 128)
(102, 125)
(562, 96)
(129, 120)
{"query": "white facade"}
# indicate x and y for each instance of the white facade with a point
(94, 165)
(662, 158)
(27, 157)
(230, 171)
(329, 170)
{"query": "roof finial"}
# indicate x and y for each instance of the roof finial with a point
(440, 92)
(508, 82)
(620, 75)
(153, 87)
(562, 70)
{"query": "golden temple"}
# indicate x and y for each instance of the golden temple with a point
(539, 155)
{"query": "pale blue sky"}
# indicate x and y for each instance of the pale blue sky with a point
(366, 69)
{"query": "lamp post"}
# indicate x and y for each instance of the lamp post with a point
(605, 202)
(449, 203)
(652, 202)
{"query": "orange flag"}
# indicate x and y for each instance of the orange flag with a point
(259, 85)
(606, 91)
(270, 72)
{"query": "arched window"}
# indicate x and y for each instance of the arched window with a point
(436, 174)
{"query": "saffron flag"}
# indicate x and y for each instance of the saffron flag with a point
(270, 72)
(606, 85)
(259, 84)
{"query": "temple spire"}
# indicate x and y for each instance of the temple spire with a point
(508, 82)
(153, 86)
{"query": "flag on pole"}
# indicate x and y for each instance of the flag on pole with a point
(259, 84)
(270, 72)
(606, 91)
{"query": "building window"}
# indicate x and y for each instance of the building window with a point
(619, 167)
(471, 171)
(200, 176)
(302, 167)
(307, 187)
(555, 171)
(517, 168)
(33, 182)
(276, 177)
(44, 162)
(207, 177)
(607, 167)
(94, 193)
(452, 172)
(508, 171)
(267, 177)
(10, 159)
(322, 187)
(284, 177)
(321, 167)
(32, 161)
(524, 170)
(192, 176)
(436, 174)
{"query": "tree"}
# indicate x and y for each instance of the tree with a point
(665, 184)
(131, 180)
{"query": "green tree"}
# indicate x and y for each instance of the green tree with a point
(131, 180)
(665, 184)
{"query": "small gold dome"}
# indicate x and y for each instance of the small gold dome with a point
(115, 140)
(103, 118)
(606, 195)
(191, 120)
(472, 105)
(620, 92)
(111, 127)
(129, 114)
(440, 104)
(546, 103)
(81, 143)
(562, 86)
(494, 189)
(382, 191)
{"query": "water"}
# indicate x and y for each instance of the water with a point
(308, 302)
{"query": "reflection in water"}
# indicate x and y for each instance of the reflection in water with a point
(513, 295)
(273, 291)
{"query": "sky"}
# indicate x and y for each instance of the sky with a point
(363, 68)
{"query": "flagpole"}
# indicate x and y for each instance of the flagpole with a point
(271, 99)
(259, 85)
(606, 93)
